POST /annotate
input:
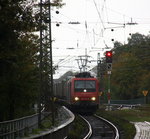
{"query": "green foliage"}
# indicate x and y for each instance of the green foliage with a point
(18, 59)
(78, 129)
(119, 119)
(19, 48)
(131, 64)
(124, 119)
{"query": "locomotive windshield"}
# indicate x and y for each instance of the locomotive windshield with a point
(85, 86)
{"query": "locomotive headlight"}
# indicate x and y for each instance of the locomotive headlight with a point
(93, 98)
(76, 98)
(84, 90)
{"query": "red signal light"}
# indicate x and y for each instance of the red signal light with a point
(109, 53)
(108, 56)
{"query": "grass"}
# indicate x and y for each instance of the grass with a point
(123, 118)
(36, 131)
(134, 115)
(78, 129)
(45, 124)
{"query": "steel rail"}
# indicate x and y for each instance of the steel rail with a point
(90, 128)
(89, 134)
(116, 130)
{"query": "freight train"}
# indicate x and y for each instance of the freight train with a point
(80, 93)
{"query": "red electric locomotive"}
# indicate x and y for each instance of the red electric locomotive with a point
(83, 93)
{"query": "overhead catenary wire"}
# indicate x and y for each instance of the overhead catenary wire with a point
(99, 14)
(88, 33)
(91, 34)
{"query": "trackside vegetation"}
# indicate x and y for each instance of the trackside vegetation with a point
(19, 57)
(19, 61)
(124, 119)
(78, 130)
(130, 68)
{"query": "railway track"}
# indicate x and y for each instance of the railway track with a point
(99, 128)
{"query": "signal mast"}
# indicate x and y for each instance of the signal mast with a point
(108, 56)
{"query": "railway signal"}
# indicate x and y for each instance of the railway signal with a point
(108, 56)
(109, 60)
(109, 66)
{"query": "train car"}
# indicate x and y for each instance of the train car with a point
(81, 93)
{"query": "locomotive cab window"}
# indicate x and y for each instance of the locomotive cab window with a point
(82, 85)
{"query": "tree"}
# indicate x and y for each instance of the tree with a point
(131, 66)
(19, 61)
(17, 57)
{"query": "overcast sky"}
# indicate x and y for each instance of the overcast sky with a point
(96, 20)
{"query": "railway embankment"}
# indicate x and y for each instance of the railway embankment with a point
(60, 130)
(128, 120)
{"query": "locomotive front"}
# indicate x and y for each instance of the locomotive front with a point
(84, 93)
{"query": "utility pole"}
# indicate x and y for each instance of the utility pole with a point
(108, 93)
(51, 64)
(98, 65)
(41, 69)
(98, 75)
(46, 67)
